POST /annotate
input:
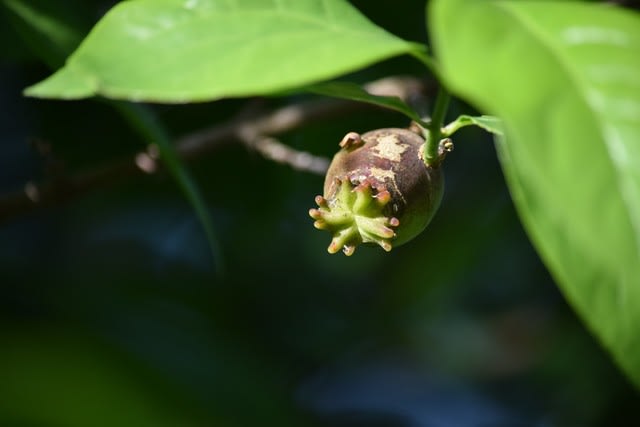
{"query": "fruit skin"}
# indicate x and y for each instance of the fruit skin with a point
(396, 193)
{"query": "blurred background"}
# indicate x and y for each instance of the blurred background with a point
(112, 312)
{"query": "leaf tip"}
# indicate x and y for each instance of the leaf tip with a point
(64, 84)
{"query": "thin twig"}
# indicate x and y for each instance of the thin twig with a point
(254, 132)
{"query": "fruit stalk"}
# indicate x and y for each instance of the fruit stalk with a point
(433, 134)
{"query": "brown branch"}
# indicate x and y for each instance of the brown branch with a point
(254, 132)
(273, 149)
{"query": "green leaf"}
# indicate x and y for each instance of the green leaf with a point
(489, 123)
(197, 50)
(565, 78)
(354, 92)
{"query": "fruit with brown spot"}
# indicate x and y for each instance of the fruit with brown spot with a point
(378, 190)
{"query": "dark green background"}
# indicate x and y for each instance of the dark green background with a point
(111, 313)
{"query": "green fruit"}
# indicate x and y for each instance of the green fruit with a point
(378, 190)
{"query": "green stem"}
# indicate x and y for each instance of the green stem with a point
(434, 130)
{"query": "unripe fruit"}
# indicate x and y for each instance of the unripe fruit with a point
(378, 190)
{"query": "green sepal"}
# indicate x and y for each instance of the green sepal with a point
(355, 215)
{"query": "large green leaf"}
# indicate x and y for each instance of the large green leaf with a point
(565, 78)
(196, 50)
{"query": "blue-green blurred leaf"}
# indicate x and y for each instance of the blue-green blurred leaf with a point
(48, 30)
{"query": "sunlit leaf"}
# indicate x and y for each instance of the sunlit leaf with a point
(565, 78)
(196, 50)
